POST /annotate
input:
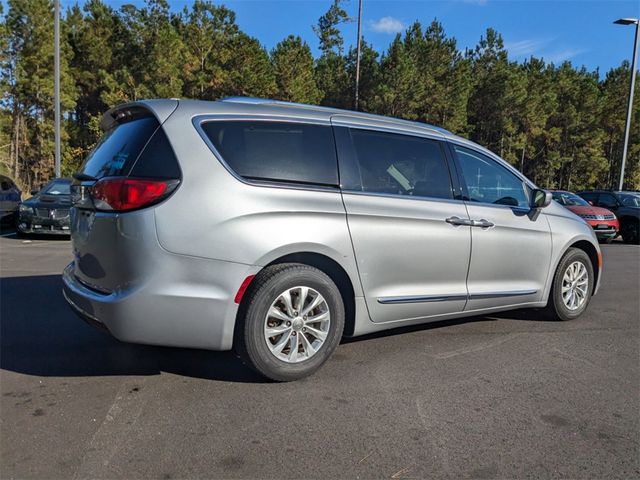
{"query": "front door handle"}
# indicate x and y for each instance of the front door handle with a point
(459, 221)
(481, 223)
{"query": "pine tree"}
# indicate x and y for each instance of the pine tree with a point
(399, 92)
(30, 69)
(208, 32)
(369, 75)
(444, 75)
(564, 127)
(293, 64)
(252, 73)
(330, 73)
(615, 94)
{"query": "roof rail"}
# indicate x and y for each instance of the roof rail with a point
(337, 111)
(250, 100)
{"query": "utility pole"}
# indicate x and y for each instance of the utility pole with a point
(357, 96)
(56, 73)
(627, 127)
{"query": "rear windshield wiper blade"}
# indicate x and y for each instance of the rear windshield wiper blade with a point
(83, 177)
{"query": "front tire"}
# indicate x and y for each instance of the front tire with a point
(291, 323)
(630, 231)
(572, 286)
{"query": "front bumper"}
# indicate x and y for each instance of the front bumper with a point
(604, 228)
(31, 224)
(606, 233)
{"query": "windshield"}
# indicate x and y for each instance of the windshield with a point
(57, 188)
(630, 200)
(569, 199)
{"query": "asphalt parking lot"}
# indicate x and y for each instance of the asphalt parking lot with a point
(499, 397)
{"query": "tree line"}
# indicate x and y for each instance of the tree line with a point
(562, 126)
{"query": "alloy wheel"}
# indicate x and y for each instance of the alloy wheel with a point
(575, 285)
(297, 324)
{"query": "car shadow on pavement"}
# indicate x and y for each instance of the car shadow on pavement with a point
(527, 315)
(40, 335)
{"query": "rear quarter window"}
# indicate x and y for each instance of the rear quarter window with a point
(276, 151)
(137, 147)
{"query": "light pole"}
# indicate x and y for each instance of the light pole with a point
(56, 73)
(636, 22)
(357, 96)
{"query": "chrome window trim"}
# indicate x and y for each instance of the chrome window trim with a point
(198, 120)
(442, 298)
(403, 197)
(360, 125)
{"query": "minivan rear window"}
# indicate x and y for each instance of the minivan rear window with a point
(136, 147)
(276, 151)
(119, 148)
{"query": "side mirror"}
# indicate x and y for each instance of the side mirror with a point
(591, 202)
(34, 192)
(540, 198)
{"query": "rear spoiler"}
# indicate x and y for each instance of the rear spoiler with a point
(161, 109)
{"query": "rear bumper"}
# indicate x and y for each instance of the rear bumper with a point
(180, 309)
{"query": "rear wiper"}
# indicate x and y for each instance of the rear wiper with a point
(83, 177)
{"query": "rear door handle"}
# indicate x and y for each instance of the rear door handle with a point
(481, 223)
(459, 221)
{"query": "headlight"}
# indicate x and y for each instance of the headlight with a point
(25, 209)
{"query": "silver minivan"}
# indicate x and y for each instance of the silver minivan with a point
(276, 229)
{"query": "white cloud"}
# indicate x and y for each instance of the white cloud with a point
(562, 55)
(386, 25)
(524, 48)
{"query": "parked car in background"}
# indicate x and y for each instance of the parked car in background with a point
(47, 212)
(9, 199)
(625, 205)
(276, 229)
(603, 221)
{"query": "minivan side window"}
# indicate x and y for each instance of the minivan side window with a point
(489, 182)
(276, 151)
(401, 164)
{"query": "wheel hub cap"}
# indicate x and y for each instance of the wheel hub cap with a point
(297, 324)
(575, 286)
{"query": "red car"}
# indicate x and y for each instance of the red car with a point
(603, 221)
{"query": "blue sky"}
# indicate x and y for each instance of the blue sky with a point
(580, 31)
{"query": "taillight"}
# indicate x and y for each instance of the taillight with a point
(122, 194)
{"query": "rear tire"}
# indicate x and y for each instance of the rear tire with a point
(569, 295)
(273, 306)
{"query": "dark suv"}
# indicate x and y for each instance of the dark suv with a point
(626, 206)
